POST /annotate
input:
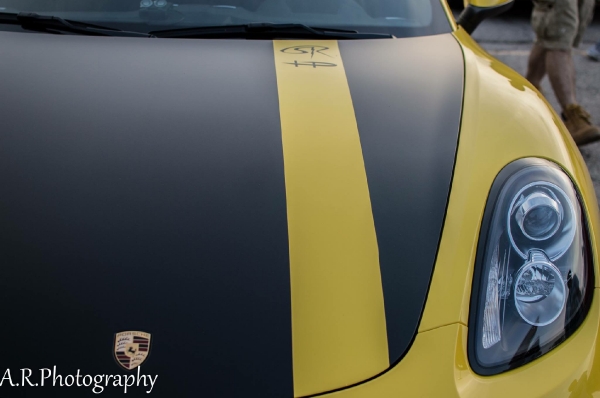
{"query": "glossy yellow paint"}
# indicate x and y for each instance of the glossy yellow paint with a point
(338, 323)
(437, 366)
(488, 3)
(504, 119)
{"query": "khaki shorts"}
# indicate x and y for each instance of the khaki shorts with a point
(560, 24)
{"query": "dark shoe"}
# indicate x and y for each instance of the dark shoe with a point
(578, 122)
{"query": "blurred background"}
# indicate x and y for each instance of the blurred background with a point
(509, 38)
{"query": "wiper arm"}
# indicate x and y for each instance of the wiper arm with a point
(50, 24)
(266, 31)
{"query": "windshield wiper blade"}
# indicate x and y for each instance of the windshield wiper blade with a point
(51, 24)
(267, 31)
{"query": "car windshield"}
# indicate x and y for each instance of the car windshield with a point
(401, 18)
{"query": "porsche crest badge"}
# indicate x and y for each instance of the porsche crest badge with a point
(131, 348)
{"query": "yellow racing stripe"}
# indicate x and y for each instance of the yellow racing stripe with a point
(338, 319)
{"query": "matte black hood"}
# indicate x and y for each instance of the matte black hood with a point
(143, 189)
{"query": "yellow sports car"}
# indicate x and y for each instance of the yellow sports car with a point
(285, 198)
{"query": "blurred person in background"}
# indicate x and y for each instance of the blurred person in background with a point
(559, 26)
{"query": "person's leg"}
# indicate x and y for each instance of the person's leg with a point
(578, 120)
(557, 28)
(561, 72)
(536, 67)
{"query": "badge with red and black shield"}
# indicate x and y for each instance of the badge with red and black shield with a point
(131, 348)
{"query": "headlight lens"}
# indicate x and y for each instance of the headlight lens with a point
(539, 215)
(532, 283)
(539, 290)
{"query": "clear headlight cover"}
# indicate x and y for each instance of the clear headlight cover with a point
(532, 285)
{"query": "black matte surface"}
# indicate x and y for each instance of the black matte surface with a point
(407, 97)
(142, 188)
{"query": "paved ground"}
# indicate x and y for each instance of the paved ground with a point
(509, 38)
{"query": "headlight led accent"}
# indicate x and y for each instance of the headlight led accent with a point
(491, 314)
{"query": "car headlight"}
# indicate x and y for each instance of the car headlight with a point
(532, 285)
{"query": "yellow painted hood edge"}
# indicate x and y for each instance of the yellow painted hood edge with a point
(504, 119)
(437, 366)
